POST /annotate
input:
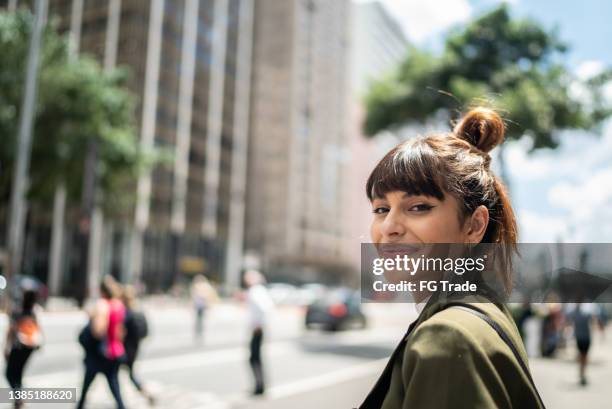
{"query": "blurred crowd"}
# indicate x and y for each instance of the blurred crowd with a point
(116, 327)
(552, 327)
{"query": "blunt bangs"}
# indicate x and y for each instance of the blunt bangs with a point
(411, 167)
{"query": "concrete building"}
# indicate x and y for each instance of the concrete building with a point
(378, 43)
(298, 136)
(378, 47)
(190, 70)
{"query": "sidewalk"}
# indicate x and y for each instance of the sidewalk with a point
(557, 378)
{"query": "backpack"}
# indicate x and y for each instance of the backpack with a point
(139, 325)
(28, 333)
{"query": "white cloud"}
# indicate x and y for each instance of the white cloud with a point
(567, 161)
(522, 165)
(584, 199)
(538, 228)
(564, 193)
(422, 19)
(590, 68)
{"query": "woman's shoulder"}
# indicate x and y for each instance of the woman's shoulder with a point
(455, 331)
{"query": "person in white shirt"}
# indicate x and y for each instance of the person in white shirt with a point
(259, 305)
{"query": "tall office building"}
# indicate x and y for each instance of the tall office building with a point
(190, 70)
(378, 46)
(298, 134)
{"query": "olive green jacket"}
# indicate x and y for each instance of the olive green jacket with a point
(454, 359)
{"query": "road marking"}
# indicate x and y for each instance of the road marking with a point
(328, 379)
(236, 354)
(315, 382)
(199, 359)
(210, 358)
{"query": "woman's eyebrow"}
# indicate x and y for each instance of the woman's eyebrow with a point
(407, 195)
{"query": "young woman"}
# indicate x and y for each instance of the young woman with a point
(106, 332)
(460, 352)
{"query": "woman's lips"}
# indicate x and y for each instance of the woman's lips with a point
(393, 250)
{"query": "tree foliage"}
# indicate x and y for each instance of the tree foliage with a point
(77, 101)
(512, 65)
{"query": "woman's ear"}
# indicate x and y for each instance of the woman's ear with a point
(477, 224)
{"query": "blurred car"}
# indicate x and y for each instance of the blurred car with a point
(309, 293)
(282, 293)
(338, 309)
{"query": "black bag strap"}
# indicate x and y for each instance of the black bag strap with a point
(504, 336)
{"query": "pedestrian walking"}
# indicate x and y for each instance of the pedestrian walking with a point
(24, 336)
(582, 316)
(259, 305)
(603, 319)
(102, 340)
(464, 350)
(203, 295)
(136, 329)
(552, 325)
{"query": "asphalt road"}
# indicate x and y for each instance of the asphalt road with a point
(305, 369)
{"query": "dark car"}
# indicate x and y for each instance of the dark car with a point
(338, 309)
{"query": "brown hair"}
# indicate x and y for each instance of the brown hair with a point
(457, 163)
(128, 296)
(109, 287)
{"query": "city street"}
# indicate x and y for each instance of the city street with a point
(305, 369)
(183, 373)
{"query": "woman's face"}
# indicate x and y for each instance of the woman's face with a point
(400, 218)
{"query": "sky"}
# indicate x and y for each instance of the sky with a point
(563, 194)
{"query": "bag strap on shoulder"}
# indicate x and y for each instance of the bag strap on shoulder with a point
(504, 336)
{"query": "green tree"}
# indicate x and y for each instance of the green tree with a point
(512, 65)
(77, 101)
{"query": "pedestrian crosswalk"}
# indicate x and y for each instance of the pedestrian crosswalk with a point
(166, 395)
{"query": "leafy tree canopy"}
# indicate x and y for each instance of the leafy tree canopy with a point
(77, 101)
(512, 65)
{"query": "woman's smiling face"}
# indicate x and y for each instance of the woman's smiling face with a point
(403, 218)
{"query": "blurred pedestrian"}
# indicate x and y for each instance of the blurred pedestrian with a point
(259, 305)
(521, 314)
(603, 319)
(582, 315)
(103, 338)
(203, 295)
(23, 337)
(136, 329)
(552, 326)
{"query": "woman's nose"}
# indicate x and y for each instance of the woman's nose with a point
(392, 226)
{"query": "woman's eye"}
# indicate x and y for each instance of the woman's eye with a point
(421, 208)
(380, 210)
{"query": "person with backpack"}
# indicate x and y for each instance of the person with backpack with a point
(24, 337)
(102, 340)
(136, 329)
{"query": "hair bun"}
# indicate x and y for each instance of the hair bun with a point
(481, 127)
